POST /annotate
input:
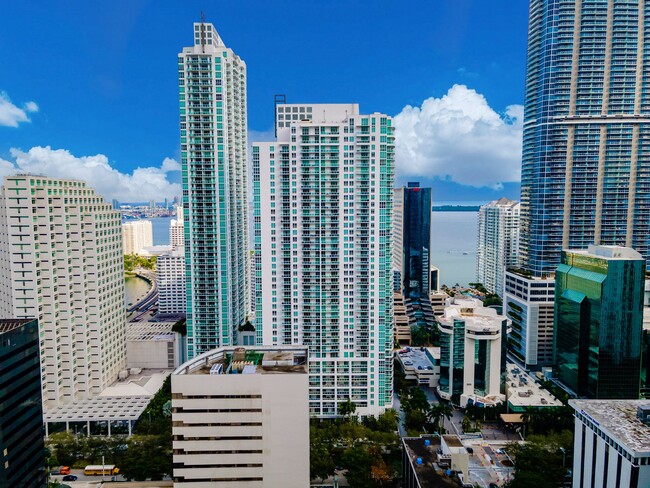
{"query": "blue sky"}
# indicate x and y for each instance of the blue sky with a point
(102, 77)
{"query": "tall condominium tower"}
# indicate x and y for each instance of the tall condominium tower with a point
(586, 170)
(61, 262)
(212, 86)
(498, 242)
(414, 248)
(599, 321)
(323, 207)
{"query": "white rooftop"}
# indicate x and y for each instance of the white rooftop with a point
(416, 358)
(608, 252)
(150, 331)
(618, 419)
(100, 408)
(524, 391)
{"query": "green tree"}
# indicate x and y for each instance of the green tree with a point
(321, 463)
(147, 457)
(67, 447)
(347, 408)
(540, 462)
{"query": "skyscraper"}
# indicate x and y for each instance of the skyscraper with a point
(21, 423)
(585, 173)
(599, 321)
(414, 248)
(61, 262)
(212, 86)
(498, 242)
(170, 269)
(136, 235)
(323, 207)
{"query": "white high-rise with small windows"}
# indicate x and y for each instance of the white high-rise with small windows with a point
(498, 242)
(136, 235)
(323, 208)
(61, 261)
(170, 268)
(177, 229)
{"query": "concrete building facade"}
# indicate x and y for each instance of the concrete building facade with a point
(136, 235)
(241, 418)
(214, 157)
(611, 443)
(498, 242)
(323, 208)
(61, 261)
(472, 356)
(177, 230)
(529, 303)
(170, 268)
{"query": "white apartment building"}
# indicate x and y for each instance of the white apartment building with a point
(136, 235)
(214, 157)
(241, 418)
(472, 354)
(170, 268)
(611, 443)
(498, 242)
(323, 209)
(529, 303)
(61, 261)
(177, 230)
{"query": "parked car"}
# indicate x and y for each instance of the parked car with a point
(69, 477)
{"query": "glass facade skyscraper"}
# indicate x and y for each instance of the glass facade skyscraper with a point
(212, 94)
(599, 321)
(415, 245)
(323, 209)
(586, 148)
(21, 423)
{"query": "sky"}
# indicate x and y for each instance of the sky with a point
(89, 89)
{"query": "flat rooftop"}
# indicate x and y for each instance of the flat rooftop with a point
(150, 331)
(100, 408)
(618, 418)
(417, 358)
(426, 472)
(524, 391)
(252, 360)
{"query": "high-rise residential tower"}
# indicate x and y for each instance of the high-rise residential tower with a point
(323, 209)
(414, 246)
(586, 170)
(498, 242)
(212, 86)
(599, 321)
(61, 262)
(136, 235)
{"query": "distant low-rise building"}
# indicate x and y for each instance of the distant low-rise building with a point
(524, 393)
(421, 364)
(612, 443)
(241, 418)
(402, 321)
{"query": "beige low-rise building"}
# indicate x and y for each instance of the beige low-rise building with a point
(241, 418)
(402, 321)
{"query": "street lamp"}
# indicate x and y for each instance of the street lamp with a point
(563, 457)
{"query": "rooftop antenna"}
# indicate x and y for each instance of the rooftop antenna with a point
(202, 32)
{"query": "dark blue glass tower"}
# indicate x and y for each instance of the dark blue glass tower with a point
(416, 264)
(21, 420)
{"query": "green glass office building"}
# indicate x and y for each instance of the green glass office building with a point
(599, 321)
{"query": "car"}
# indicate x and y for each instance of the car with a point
(500, 451)
(69, 477)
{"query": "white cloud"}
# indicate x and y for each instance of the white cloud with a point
(11, 115)
(141, 185)
(459, 137)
